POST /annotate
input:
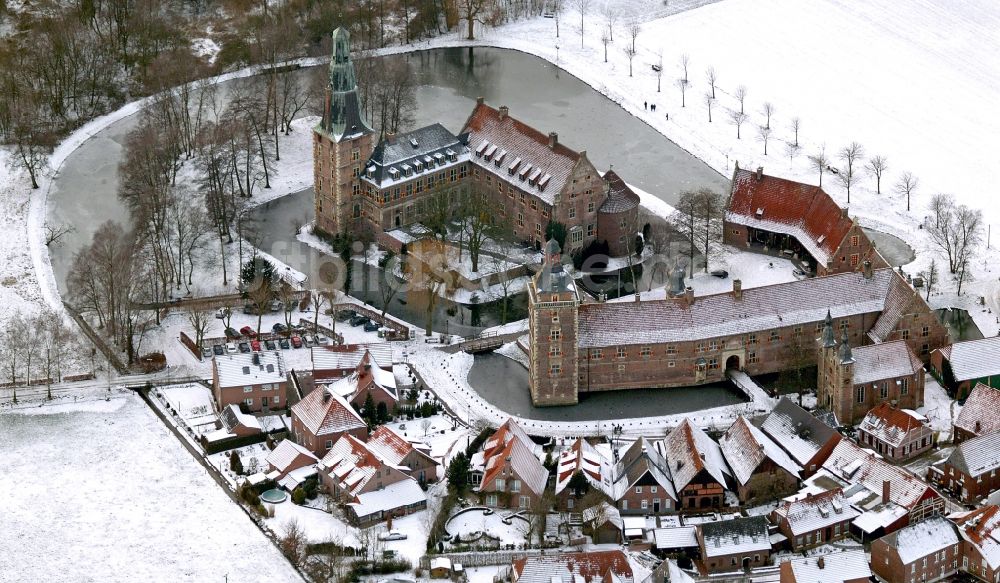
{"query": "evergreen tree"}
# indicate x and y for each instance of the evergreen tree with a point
(579, 484)
(381, 413)
(235, 463)
(369, 412)
(458, 472)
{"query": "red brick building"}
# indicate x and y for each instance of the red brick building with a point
(972, 471)
(963, 365)
(897, 434)
(583, 458)
(697, 467)
(238, 423)
(733, 545)
(589, 567)
(848, 566)
(322, 417)
(815, 519)
(255, 381)
(287, 457)
(980, 546)
(806, 438)
(397, 451)
(979, 416)
(512, 474)
(924, 551)
(367, 379)
(761, 469)
(795, 219)
(330, 363)
(641, 484)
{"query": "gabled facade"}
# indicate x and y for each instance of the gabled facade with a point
(255, 381)
(583, 458)
(367, 379)
(761, 469)
(925, 551)
(806, 438)
(330, 363)
(814, 520)
(412, 459)
(972, 471)
(641, 483)
(287, 457)
(980, 546)
(979, 416)
(322, 417)
(697, 467)
(512, 474)
(963, 365)
(896, 434)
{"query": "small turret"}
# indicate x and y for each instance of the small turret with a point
(845, 350)
(829, 339)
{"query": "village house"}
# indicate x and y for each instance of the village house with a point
(330, 363)
(583, 458)
(697, 467)
(290, 464)
(512, 474)
(980, 546)
(925, 551)
(979, 416)
(367, 380)
(604, 524)
(897, 434)
(815, 519)
(806, 438)
(972, 471)
(368, 485)
(675, 537)
(641, 484)
(412, 458)
(237, 423)
(255, 381)
(733, 545)
(583, 567)
(762, 469)
(846, 566)
(322, 417)
(963, 365)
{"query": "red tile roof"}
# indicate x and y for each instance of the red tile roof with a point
(889, 424)
(324, 413)
(511, 451)
(591, 566)
(806, 211)
(689, 450)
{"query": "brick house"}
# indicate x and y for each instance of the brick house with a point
(980, 546)
(370, 487)
(581, 457)
(287, 457)
(367, 379)
(924, 551)
(256, 381)
(972, 471)
(588, 567)
(979, 416)
(963, 365)
(762, 469)
(322, 417)
(733, 545)
(849, 566)
(618, 216)
(238, 423)
(604, 524)
(333, 362)
(795, 219)
(815, 519)
(896, 434)
(641, 484)
(411, 458)
(697, 467)
(512, 474)
(807, 439)
(553, 323)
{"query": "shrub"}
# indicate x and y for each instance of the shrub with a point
(235, 463)
(299, 496)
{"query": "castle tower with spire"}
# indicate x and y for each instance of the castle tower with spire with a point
(342, 142)
(553, 327)
(835, 377)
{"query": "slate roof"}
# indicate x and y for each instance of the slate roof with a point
(974, 359)
(620, 197)
(587, 566)
(348, 356)
(982, 407)
(415, 151)
(252, 368)
(641, 458)
(855, 465)
(740, 535)
(785, 206)
(890, 424)
(976, 456)
(688, 450)
(796, 431)
(745, 448)
(323, 412)
(517, 142)
(835, 567)
(286, 452)
(886, 360)
(816, 511)
(921, 539)
(719, 315)
(981, 528)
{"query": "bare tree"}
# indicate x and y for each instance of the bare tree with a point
(605, 40)
(957, 233)
(199, 320)
(659, 71)
(906, 184)
(931, 279)
(712, 78)
(293, 542)
(940, 204)
(697, 218)
(505, 281)
(768, 111)
(474, 11)
(850, 155)
(877, 165)
(737, 118)
(634, 27)
(764, 134)
(425, 425)
(709, 99)
(556, 6)
(791, 150)
(629, 54)
(54, 232)
(682, 85)
(820, 162)
(583, 7)
(685, 61)
(611, 12)
(796, 124)
(741, 95)
(329, 563)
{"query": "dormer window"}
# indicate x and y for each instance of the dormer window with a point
(487, 154)
(439, 158)
(394, 173)
(371, 171)
(482, 148)
(533, 178)
(418, 166)
(760, 212)
(452, 156)
(407, 170)
(821, 239)
(544, 181)
(513, 166)
(429, 162)
(524, 171)
(499, 159)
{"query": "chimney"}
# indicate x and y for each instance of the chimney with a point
(688, 295)
(843, 212)
(480, 100)
(701, 455)
(760, 173)
(886, 486)
(637, 296)
(389, 136)
(504, 110)
(553, 139)
(737, 289)
(326, 395)
(978, 426)
(866, 269)
(820, 563)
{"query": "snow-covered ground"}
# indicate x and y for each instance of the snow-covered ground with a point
(117, 498)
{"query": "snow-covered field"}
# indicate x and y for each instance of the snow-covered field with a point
(110, 495)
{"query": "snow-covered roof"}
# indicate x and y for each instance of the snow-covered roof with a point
(231, 417)
(412, 155)
(604, 513)
(745, 448)
(677, 537)
(516, 457)
(586, 566)
(390, 446)
(797, 431)
(981, 412)
(720, 315)
(886, 360)
(511, 430)
(834, 567)
(688, 450)
(974, 359)
(323, 412)
(815, 512)
(395, 495)
(251, 368)
(920, 539)
(890, 425)
(855, 465)
(295, 477)
(350, 463)
(741, 535)
(620, 197)
(976, 456)
(348, 356)
(641, 458)
(981, 528)
(583, 457)
(285, 454)
(879, 517)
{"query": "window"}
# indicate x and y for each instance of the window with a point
(516, 486)
(775, 336)
(555, 318)
(652, 489)
(645, 504)
(597, 354)
(590, 207)
(752, 358)
(555, 350)
(520, 219)
(247, 389)
(248, 401)
(590, 230)
(904, 334)
(752, 339)
(572, 212)
(925, 349)
(555, 335)
(645, 352)
(276, 399)
(884, 390)
(621, 352)
(576, 236)
(671, 364)
(854, 259)
(925, 331)
(860, 394)
(498, 484)
(904, 386)
(329, 443)
(700, 347)
(845, 324)
(713, 363)
(555, 370)
(621, 368)
(854, 241)
(797, 331)
(713, 345)
(491, 500)
(638, 489)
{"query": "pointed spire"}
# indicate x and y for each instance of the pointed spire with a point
(344, 113)
(845, 350)
(829, 339)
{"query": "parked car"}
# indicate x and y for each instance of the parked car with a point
(244, 347)
(206, 352)
(284, 344)
(358, 320)
(391, 535)
(720, 273)
(222, 313)
(231, 348)
(232, 333)
(371, 326)
(255, 345)
(279, 328)
(270, 345)
(219, 349)
(343, 315)
(248, 332)
(296, 342)
(276, 306)
(247, 309)
(322, 340)
(308, 340)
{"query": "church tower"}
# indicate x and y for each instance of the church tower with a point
(553, 327)
(342, 143)
(827, 352)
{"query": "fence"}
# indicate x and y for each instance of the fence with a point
(400, 331)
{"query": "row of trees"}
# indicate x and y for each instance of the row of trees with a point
(38, 348)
